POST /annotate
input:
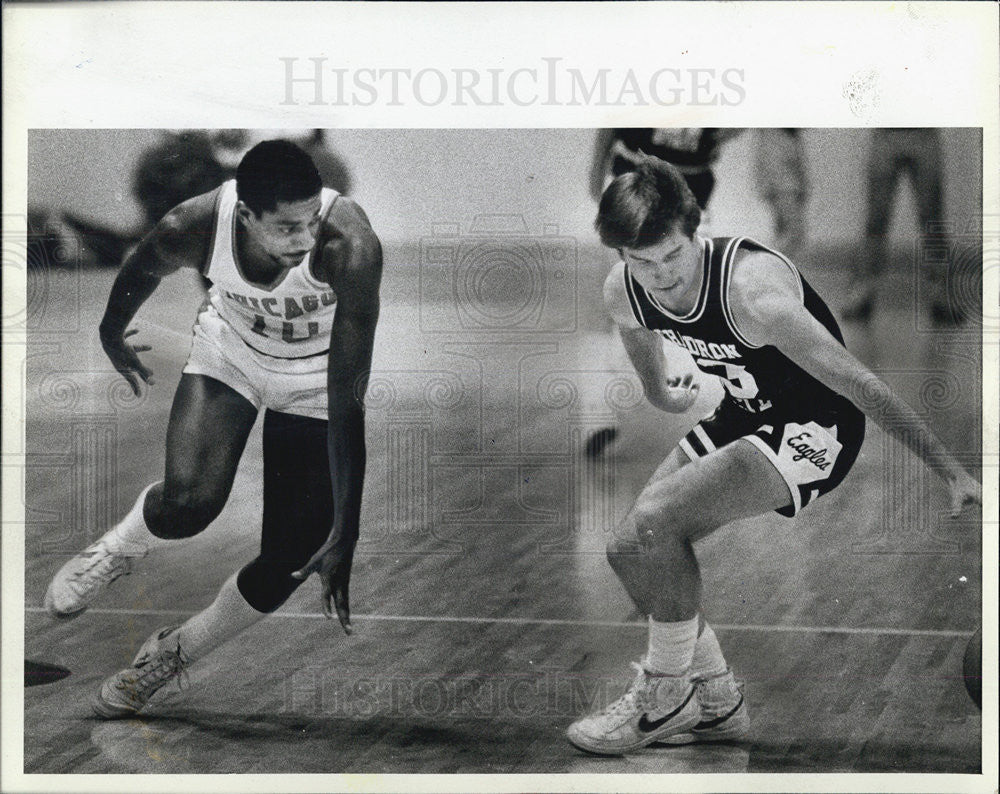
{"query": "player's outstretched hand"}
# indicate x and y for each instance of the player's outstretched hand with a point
(964, 490)
(333, 564)
(680, 394)
(126, 360)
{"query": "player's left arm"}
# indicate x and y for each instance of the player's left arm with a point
(352, 265)
(768, 310)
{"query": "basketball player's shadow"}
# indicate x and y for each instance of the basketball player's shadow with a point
(853, 755)
(202, 741)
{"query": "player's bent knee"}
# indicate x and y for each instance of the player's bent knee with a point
(625, 548)
(651, 522)
(266, 585)
(619, 554)
(654, 524)
(185, 513)
(647, 519)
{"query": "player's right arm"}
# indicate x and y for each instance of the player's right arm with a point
(179, 240)
(645, 350)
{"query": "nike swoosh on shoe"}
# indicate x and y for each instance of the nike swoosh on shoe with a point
(709, 724)
(648, 726)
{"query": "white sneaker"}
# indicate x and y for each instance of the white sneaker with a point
(159, 661)
(81, 580)
(655, 706)
(724, 714)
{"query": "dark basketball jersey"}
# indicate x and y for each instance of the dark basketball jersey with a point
(692, 147)
(757, 378)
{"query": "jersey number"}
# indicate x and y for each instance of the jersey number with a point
(287, 330)
(735, 379)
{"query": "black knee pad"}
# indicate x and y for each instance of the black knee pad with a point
(298, 507)
(183, 515)
(266, 584)
(173, 531)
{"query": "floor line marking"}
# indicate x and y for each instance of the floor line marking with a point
(749, 627)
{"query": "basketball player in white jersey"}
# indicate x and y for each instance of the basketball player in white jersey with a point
(785, 433)
(288, 327)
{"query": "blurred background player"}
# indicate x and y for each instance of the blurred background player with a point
(692, 150)
(289, 328)
(781, 179)
(186, 163)
(784, 434)
(894, 152)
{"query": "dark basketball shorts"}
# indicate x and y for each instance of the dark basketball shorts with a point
(812, 453)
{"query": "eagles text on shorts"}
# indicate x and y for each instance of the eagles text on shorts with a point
(784, 434)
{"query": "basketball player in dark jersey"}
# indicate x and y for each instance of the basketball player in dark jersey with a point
(785, 433)
(692, 150)
(288, 328)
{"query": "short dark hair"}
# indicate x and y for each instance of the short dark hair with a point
(274, 171)
(641, 206)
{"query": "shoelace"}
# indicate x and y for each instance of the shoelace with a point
(157, 671)
(103, 569)
(633, 696)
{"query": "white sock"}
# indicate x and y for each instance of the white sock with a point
(226, 617)
(671, 646)
(131, 533)
(708, 660)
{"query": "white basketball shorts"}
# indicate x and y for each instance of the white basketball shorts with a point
(289, 385)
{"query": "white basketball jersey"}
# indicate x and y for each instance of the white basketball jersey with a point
(289, 318)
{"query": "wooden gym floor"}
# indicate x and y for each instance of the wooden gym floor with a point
(486, 618)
